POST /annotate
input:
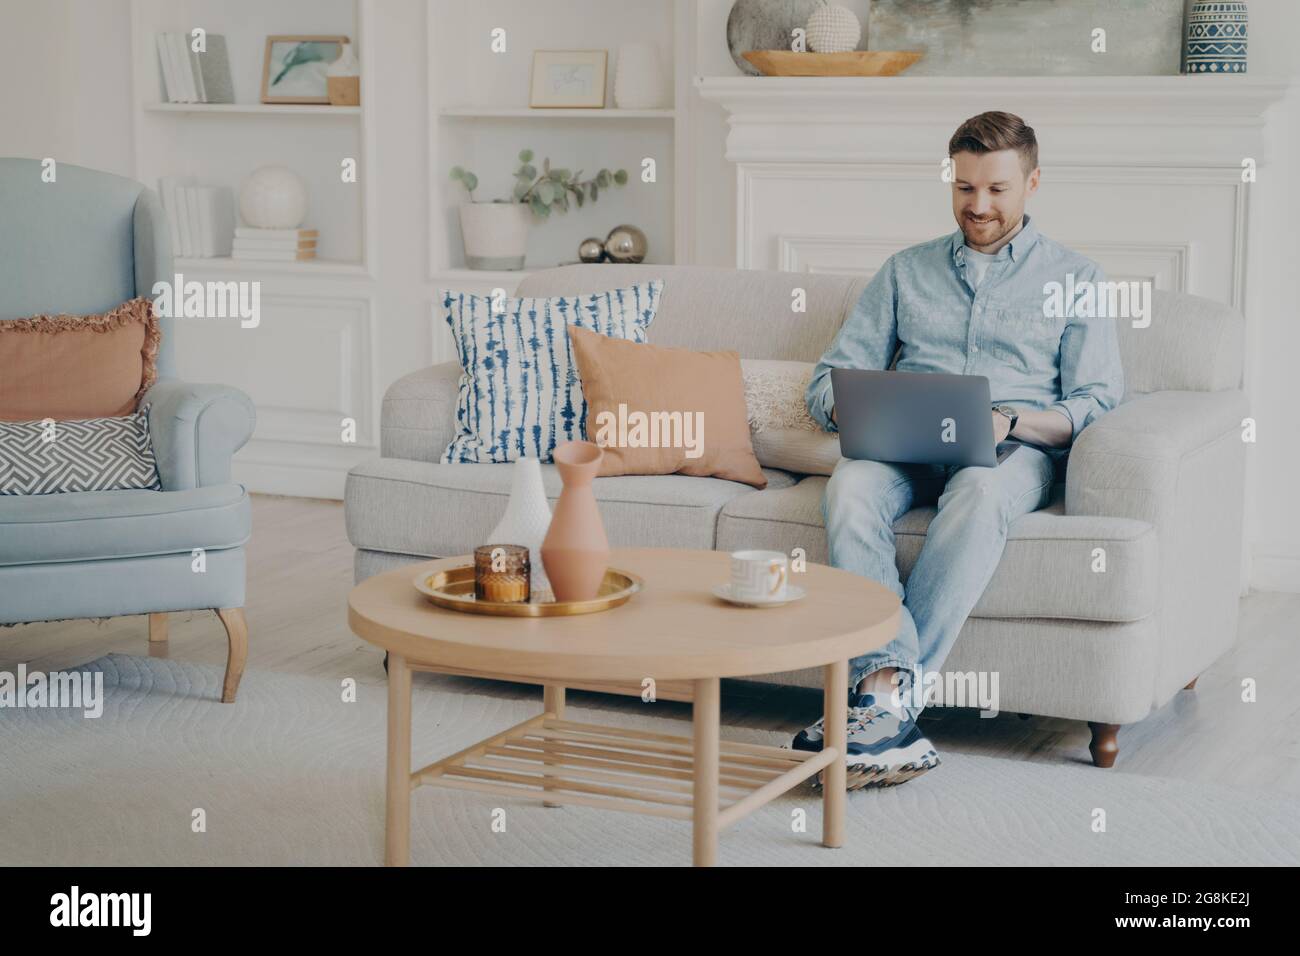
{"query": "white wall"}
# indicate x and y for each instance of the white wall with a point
(67, 94)
(66, 82)
(1273, 318)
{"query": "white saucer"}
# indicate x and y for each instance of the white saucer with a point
(792, 593)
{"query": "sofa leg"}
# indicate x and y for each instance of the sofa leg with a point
(1105, 743)
(1192, 683)
(158, 628)
(237, 631)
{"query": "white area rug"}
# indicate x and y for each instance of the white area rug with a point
(291, 775)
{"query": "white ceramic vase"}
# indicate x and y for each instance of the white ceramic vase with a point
(639, 82)
(495, 234)
(527, 518)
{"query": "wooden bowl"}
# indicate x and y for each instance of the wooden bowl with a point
(853, 63)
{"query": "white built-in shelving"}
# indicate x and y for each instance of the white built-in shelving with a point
(479, 118)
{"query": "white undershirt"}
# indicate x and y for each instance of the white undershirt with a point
(977, 263)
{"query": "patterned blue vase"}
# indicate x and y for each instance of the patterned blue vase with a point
(1216, 37)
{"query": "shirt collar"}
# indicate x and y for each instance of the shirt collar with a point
(1017, 248)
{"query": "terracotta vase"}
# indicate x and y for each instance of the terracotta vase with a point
(575, 552)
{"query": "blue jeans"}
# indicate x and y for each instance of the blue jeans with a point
(962, 547)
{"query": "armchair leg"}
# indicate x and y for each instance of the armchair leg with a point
(1105, 744)
(237, 631)
(158, 628)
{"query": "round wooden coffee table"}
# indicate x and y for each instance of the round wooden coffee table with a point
(674, 630)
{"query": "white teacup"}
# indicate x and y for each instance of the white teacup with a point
(759, 575)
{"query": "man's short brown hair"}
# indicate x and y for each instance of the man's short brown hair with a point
(994, 131)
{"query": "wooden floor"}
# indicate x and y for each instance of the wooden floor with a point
(300, 571)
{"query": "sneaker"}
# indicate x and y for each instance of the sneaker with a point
(870, 720)
(885, 747)
(891, 762)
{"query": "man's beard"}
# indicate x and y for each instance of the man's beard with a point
(985, 233)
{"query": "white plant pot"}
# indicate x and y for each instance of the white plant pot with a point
(526, 519)
(495, 234)
(639, 81)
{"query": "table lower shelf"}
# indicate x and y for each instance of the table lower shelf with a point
(617, 768)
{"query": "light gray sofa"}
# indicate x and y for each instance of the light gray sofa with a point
(1157, 482)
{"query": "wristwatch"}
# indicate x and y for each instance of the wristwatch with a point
(1010, 413)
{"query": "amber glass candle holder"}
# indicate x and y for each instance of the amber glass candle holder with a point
(502, 573)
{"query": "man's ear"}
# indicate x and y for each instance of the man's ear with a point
(1032, 186)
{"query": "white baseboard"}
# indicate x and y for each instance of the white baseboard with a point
(1275, 572)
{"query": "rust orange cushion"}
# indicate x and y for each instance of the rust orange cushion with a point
(663, 411)
(78, 366)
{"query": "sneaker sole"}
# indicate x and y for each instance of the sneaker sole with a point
(909, 763)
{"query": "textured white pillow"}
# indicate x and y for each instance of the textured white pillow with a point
(774, 393)
(783, 433)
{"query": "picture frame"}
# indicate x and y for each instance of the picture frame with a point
(293, 67)
(568, 79)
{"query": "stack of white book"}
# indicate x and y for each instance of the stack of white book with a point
(194, 76)
(276, 245)
(201, 219)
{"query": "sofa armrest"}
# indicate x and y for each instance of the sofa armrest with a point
(195, 430)
(418, 419)
(1175, 460)
(1126, 464)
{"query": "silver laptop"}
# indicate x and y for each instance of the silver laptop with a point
(916, 417)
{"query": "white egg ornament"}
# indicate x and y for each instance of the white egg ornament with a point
(833, 29)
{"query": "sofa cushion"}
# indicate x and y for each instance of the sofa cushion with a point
(520, 395)
(660, 411)
(98, 525)
(110, 358)
(91, 454)
(1045, 571)
(798, 450)
(437, 510)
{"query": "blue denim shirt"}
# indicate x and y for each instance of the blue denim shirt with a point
(920, 304)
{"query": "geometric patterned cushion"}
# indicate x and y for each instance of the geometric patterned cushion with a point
(90, 454)
(520, 394)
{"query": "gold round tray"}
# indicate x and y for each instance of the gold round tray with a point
(453, 589)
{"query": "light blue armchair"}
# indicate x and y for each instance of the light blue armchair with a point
(82, 244)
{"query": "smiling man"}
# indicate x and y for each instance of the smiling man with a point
(970, 303)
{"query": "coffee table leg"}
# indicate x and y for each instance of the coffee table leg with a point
(552, 703)
(835, 709)
(707, 727)
(397, 832)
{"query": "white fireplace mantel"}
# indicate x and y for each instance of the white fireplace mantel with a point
(1159, 120)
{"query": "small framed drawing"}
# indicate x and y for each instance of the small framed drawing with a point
(293, 70)
(568, 78)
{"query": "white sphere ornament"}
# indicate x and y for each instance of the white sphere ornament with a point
(274, 197)
(833, 29)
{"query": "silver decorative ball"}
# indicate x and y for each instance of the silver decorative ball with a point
(591, 250)
(626, 244)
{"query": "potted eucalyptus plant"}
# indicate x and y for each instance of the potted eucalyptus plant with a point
(496, 232)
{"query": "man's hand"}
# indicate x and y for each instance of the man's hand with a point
(833, 414)
(1001, 427)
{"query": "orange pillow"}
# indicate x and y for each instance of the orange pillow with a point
(72, 366)
(662, 411)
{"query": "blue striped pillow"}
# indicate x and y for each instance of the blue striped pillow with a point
(520, 394)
